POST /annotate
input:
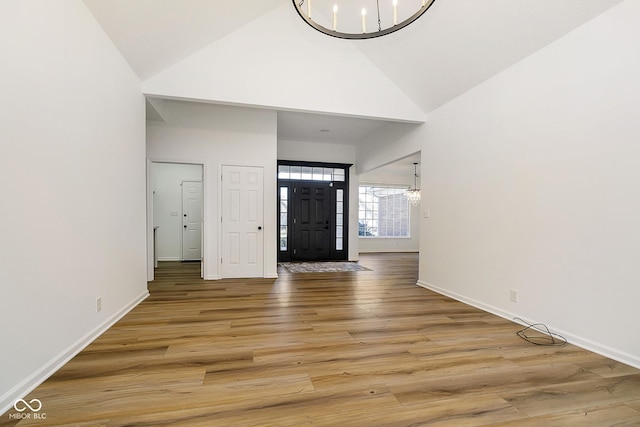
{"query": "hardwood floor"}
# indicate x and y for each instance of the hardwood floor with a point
(366, 348)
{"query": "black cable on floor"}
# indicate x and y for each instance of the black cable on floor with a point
(548, 339)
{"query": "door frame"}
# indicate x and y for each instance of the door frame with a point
(343, 255)
(150, 218)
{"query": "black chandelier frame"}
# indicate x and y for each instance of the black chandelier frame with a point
(297, 4)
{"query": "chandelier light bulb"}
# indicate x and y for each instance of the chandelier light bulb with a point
(395, 12)
(364, 20)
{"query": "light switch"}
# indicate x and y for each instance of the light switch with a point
(427, 214)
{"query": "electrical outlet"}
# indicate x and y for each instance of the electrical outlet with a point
(98, 305)
(514, 295)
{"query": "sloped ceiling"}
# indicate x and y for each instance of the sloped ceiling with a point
(456, 45)
(154, 34)
(292, 69)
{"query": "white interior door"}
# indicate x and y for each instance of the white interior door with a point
(191, 220)
(242, 216)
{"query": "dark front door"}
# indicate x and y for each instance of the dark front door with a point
(313, 213)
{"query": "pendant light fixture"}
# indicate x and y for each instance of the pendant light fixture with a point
(360, 19)
(413, 194)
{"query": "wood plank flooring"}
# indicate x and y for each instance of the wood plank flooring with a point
(366, 348)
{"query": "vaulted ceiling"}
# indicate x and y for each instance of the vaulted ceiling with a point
(456, 45)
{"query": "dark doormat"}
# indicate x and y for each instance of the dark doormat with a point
(322, 267)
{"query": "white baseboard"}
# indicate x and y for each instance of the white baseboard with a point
(34, 380)
(169, 258)
(603, 350)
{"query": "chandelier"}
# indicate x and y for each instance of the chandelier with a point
(413, 194)
(360, 19)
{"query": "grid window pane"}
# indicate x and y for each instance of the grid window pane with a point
(296, 172)
(283, 238)
(310, 173)
(283, 172)
(339, 215)
(307, 172)
(317, 174)
(284, 209)
(383, 212)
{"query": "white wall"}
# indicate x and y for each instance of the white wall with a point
(394, 141)
(532, 183)
(329, 153)
(316, 151)
(167, 205)
(215, 135)
(73, 186)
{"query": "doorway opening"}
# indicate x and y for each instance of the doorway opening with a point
(177, 212)
(313, 211)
